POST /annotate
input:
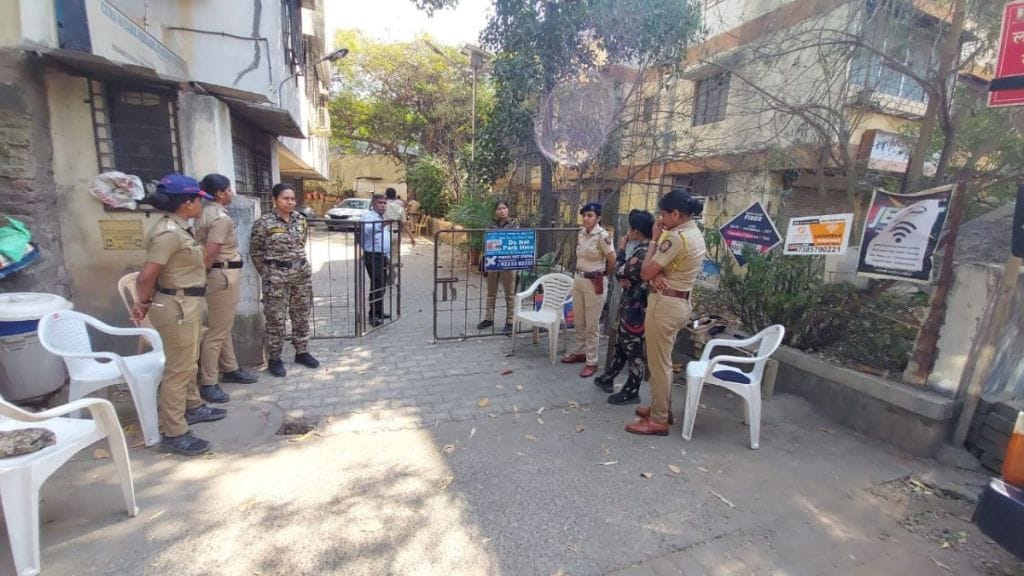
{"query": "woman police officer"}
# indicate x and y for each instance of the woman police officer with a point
(507, 278)
(216, 232)
(670, 267)
(595, 260)
(170, 289)
(277, 247)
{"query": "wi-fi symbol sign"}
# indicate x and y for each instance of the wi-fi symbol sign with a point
(902, 230)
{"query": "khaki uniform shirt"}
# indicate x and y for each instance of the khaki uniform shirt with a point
(680, 254)
(170, 244)
(412, 207)
(592, 249)
(395, 212)
(273, 238)
(216, 226)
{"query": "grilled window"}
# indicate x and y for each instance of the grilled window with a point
(712, 94)
(252, 172)
(136, 130)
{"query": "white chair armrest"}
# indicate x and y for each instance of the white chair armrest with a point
(150, 334)
(714, 362)
(725, 343)
(93, 405)
(529, 291)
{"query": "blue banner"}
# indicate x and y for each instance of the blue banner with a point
(510, 249)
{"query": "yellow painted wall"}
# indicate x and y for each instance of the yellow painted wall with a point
(350, 167)
(10, 23)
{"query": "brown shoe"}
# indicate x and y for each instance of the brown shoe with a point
(645, 412)
(647, 427)
(588, 371)
(574, 358)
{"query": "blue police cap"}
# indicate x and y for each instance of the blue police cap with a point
(594, 207)
(175, 183)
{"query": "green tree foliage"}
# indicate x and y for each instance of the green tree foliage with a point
(538, 43)
(402, 99)
(426, 177)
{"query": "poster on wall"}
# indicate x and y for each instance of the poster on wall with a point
(751, 227)
(900, 234)
(812, 235)
(509, 249)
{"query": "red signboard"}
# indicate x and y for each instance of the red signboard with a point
(1011, 55)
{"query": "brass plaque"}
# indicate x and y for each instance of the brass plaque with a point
(121, 234)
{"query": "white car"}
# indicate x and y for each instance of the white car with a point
(345, 214)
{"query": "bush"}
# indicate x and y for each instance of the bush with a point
(427, 177)
(868, 330)
(777, 289)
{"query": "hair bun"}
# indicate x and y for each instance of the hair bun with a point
(696, 208)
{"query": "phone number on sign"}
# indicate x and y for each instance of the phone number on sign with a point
(814, 249)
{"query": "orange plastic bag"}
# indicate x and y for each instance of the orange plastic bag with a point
(1013, 463)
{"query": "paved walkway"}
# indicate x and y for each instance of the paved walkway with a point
(430, 461)
(398, 377)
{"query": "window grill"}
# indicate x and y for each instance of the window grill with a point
(136, 130)
(253, 175)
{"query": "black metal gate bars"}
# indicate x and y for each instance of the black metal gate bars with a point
(344, 275)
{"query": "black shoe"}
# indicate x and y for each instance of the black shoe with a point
(307, 360)
(507, 329)
(186, 444)
(276, 367)
(213, 394)
(240, 376)
(484, 325)
(605, 383)
(204, 413)
(624, 397)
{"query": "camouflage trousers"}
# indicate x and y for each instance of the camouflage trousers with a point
(629, 349)
(287, 293)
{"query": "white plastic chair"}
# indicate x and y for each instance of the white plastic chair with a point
(64, 334)
(126, 289)
(746, 385)
(22, 476)
(557, 288)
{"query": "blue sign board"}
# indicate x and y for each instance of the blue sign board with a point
(510, 249)
(753, 228)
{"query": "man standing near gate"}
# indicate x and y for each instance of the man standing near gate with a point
(375, 237)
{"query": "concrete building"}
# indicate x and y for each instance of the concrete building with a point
(147, 88)
(779, 104)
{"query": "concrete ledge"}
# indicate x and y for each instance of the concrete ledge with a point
(913, 419)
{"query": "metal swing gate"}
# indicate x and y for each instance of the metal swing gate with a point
(342, 285)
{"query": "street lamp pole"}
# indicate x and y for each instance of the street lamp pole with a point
(332, 57)
(477, 59)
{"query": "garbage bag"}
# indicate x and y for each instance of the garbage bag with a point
(118, 190)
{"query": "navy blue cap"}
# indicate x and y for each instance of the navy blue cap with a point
(594, 207)
(175, 183)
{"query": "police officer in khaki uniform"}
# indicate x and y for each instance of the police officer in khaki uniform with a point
(670, 267)
(216, 232)
(170, 289)
(595, 262)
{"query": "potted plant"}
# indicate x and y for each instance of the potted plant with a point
(473, 211)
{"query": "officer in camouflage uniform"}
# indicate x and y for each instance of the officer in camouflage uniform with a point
(629, 343)
(277, 247)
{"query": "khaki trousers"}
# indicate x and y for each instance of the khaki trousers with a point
(218, 349)
(507, 279)
(587, 306)
(178, 320)
(666, 316)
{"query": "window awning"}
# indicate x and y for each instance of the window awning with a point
(256, 109)
(101, 68)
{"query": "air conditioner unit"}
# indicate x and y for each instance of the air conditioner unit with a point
(320, 123)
